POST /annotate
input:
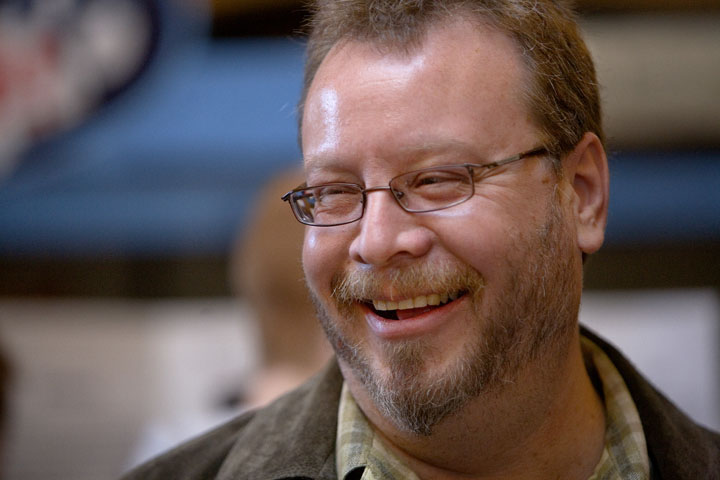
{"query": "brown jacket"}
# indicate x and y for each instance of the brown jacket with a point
(294, 437)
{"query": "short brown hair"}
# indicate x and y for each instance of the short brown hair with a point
(562, 95)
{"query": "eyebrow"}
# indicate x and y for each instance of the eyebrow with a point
(424, 150)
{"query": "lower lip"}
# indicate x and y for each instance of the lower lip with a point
(422, 324)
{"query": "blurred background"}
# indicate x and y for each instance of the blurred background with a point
(150, 284)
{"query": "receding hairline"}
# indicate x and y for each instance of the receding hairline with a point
(560, 87)
(417, 40)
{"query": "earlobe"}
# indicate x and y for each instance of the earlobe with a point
(586, 170)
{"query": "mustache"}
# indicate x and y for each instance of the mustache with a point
(360, 284)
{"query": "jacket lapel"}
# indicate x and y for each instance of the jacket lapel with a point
(294, 437)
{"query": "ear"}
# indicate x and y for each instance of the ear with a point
(586, 171)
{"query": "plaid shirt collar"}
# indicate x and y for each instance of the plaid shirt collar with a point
(360, 452)
(625, 455)
(361, 455)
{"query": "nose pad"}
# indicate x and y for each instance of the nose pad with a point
(386, 231)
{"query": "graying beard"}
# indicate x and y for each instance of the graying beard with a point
(404, 399)
(416, 407)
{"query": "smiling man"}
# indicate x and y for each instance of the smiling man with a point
(455, 180)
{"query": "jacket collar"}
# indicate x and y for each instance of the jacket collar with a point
(678, 448)
(294, 437)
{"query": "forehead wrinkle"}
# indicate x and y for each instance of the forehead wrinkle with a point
(440, 147)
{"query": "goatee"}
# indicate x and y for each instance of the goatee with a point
(534, 317)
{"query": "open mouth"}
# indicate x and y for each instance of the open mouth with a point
(411, 307)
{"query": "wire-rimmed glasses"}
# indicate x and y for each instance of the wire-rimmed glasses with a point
(424, 190)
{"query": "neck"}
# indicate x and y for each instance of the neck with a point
(547, 425)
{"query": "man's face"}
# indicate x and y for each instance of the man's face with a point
(507, 255)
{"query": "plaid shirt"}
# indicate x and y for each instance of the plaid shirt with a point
(362, 455)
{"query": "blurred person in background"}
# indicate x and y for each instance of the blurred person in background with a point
(455, 180)
(267, 273)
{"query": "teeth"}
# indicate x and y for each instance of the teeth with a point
(405, 304)
(420, 301)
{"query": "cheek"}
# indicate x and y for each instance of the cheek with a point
(310, 257)
(322, 257)
(479, 237)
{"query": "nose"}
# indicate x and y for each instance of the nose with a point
(387, 232)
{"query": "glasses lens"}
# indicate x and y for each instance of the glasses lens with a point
(330, 204)
(433, 188)
(302, 205)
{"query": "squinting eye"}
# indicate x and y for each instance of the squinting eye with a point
(333, 193)
(436, 178)
(327, 191)
(336, 199)
(430, 180)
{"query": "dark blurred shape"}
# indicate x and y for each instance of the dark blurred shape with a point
(6, 380)
(692, 265)
(239, 18)
(189, 276)
(606, 6)
(258, 18)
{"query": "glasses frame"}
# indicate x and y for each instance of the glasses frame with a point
(471, 169)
